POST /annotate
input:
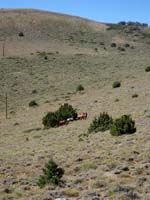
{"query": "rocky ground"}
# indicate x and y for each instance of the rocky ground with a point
(98, 166)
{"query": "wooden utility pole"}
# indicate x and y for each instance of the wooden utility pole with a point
(3, 47)
(6, 106)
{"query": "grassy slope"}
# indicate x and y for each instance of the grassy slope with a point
(24, 69)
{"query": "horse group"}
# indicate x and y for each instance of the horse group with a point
(80, 116)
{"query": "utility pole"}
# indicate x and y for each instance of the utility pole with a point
(3, 41)
(3, 49)
(6, 106)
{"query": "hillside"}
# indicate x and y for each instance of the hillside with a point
(46, 56)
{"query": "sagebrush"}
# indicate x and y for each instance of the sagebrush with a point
(33, 103)
(79, 88)
(123, 125)
(51, 174)
(116, 84)
(101, 123)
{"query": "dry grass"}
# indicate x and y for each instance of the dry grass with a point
(93, 163)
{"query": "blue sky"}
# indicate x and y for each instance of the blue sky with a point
(99, 10)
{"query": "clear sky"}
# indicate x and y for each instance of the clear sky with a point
(99, 10)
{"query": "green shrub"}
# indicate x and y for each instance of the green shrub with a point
(121, 49)
(123, 125)
(45, 57)
(113, 44)
(147, 69)
(79, 88)
(126, 45)
(50, 120)
(116, 100)
(33, 103)
(64, 112)
(135, 95)
(123, 23)
(101, 123)
(21, 34)
(96, 49)
(51, 174)
(116, 84)
(34, 91)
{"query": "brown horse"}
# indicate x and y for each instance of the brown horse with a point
(62, 122)
(82, 115)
